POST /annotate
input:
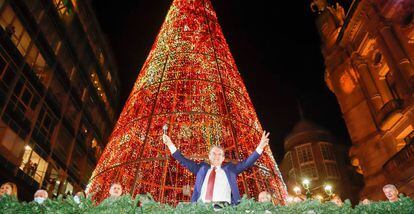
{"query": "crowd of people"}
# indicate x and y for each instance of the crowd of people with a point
(390, 191)
(41, 195)
(116, 190)
(215, 181)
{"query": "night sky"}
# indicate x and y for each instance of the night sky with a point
(276, 48)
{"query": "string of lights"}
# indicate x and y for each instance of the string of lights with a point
(190, 82)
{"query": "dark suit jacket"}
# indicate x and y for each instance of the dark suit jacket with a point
(231, 170)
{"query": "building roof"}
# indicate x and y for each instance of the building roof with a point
(305, 126)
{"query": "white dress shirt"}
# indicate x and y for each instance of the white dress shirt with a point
(221, 190)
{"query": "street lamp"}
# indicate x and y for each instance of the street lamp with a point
(328, 190)
(296, 189)
(319, 197)
(306, 185)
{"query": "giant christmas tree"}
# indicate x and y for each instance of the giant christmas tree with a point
(190, 82)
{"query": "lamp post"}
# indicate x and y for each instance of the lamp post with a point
(306, 185)
(296, 189)
(319, 197)
(328, 190)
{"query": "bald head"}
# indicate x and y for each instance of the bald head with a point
(41, 193)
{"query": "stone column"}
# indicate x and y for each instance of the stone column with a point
(402, 83)
(397, 51)
(367, 81)
(391, 48)
(382, 86)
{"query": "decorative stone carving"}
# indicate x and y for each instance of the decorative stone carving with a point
(328, 81)
(338, 12)
(347, 81)
(317, 6)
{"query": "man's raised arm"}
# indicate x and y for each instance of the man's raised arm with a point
(187, 163)
(264, 141)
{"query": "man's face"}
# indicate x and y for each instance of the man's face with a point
(365, 201)
(216, 156)
(41, 194)
(391, 194)
(5, 189)
(263, 197)
(116, 190)
(337, 201)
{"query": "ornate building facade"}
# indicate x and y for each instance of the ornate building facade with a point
(311, 152)
(369, 59)
(58, 94)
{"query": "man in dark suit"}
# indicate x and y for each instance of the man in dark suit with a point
(214, 182)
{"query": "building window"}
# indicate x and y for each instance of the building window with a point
(63, 144)
(327, 151)
(11, 141)
(15, 30)
(38, 65)
(306, 161)
(33, 165)
(309, 171)
(27, 99)
(24, 100)
(405, 138)
(36, 8)
(6, 74)
(65, 59)
(72, 113)
(77, 161)
(23, 42)
(292, 175)
(288, 158)
(304, 153)
(52, 182)
(409, 138)
(62, 7)
(44, 128)
(331, 170)
(47, 121)
(68, 188)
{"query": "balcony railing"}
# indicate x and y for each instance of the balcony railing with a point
(389, 114)
(402, 162)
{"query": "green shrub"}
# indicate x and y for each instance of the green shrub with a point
(145, 204)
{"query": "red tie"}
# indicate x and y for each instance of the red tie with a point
(210, 185)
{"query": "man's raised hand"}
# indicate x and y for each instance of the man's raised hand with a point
(167, 140)
(265, 140)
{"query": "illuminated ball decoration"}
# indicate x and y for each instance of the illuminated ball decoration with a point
(190, 82)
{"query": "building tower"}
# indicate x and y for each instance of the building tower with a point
(313, 153)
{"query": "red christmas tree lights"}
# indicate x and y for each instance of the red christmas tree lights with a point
(189, 81)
